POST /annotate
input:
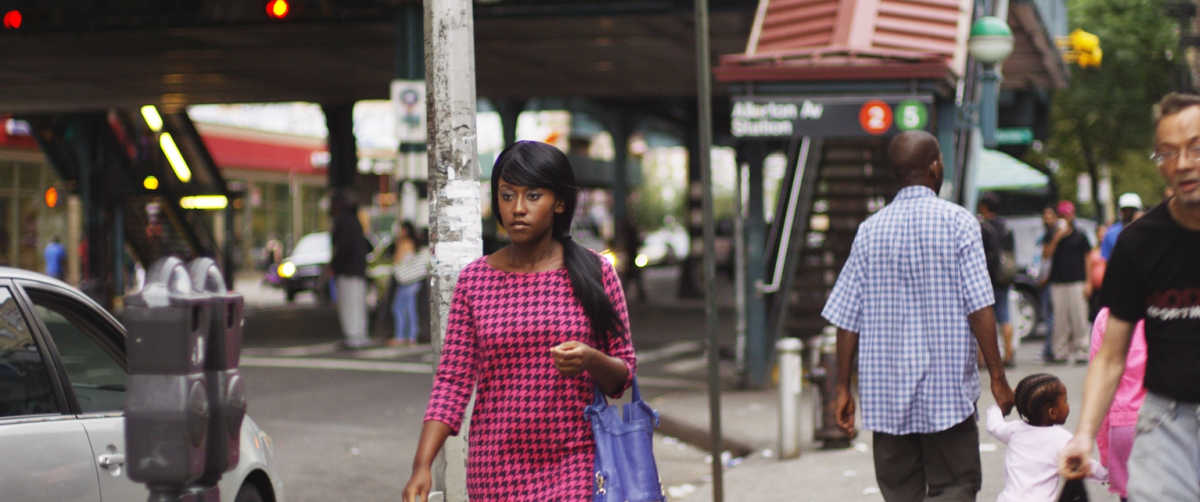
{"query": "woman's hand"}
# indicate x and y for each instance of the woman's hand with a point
(417, 489)
(571, 357)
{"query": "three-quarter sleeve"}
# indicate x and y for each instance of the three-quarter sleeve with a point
(620, 342)
(456, 371)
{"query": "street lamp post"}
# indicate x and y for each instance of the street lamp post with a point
(991, 41)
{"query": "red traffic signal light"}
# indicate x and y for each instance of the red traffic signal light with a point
(12, 20)
(278, 9)
(51, 197)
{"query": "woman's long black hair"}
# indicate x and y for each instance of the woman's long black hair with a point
(538, 165)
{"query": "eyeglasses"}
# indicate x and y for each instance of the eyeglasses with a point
(1170, 156)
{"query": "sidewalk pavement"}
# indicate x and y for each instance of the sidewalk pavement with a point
(750, 419)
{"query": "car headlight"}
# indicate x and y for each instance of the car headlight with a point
(286, 269)
(641, 260)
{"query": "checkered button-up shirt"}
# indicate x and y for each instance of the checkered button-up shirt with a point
(915, 271)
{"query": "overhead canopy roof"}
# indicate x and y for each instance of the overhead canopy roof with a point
(999, 171)
(638, 49)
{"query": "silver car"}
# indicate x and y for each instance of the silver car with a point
(62, 390)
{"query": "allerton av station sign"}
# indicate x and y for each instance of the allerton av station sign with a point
(827, 116)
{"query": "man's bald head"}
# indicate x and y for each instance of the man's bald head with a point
(915, 158)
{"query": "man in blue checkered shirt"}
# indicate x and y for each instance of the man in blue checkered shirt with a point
(913, 291)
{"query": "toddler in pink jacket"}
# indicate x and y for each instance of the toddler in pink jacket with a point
(1115, 435)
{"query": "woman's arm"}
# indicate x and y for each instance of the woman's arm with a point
(433, 436)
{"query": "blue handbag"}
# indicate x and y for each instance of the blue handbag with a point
(625, 468)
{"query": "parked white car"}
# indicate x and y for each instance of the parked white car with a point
(62, 392)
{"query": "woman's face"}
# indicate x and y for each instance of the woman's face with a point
(527, 213)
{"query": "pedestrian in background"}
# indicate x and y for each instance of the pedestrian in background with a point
(1042, 267)
(1114, 436)
(349, 266)
(1130, 205)
(998, 249)
(1067, 250)
(55, 254)
(1154, 274)
(1095, 263)
(410, 267)
(913, 291)
(533, 328)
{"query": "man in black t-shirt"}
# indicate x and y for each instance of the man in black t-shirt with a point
(1067, 248)
(1154, 274)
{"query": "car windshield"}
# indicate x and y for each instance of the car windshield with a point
(312, 244)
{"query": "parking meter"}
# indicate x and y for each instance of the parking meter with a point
(226, 394)
(167, 405)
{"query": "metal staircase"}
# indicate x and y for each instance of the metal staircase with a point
(841, 183)
(104, 157)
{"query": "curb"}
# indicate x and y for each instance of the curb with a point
(701, 437)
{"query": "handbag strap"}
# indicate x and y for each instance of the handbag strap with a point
(599, 399)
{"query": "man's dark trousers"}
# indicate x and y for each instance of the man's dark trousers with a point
(940, 466)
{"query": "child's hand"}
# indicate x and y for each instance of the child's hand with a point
(1073, 459)
(571, 357)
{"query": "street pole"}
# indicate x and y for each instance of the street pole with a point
(987, 105)
(704, 153)
(454, 214)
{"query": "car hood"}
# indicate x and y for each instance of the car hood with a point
(316, 258)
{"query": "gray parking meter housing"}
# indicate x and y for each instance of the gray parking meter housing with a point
(226, 393)
(167, 406)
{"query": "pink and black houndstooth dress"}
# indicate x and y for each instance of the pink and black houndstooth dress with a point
(528, 439)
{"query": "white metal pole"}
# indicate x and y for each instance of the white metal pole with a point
(455, 228)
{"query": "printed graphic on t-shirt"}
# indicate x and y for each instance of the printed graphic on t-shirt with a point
(1174, 305)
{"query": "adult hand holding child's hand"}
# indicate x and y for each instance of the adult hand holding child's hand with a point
(1073, 460)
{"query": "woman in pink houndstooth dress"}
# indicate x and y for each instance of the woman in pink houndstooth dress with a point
(532, 327)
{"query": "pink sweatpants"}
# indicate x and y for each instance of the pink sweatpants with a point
(1120, 443)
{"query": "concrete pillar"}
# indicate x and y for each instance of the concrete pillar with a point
(689, 273)
(455, 229)
(947, 130)
(620, 126)
(343, 153)
(509, 110)
(756, 307)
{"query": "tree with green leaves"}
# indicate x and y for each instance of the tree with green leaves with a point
(1104, 117)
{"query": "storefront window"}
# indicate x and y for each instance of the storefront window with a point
(26, 223)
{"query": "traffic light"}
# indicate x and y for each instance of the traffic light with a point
(50, 196)
(278, 9)
(12, 20)
(1083, 48)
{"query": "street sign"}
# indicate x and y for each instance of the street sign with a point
(911, 115)
(408, 100)
(875, 117)
(827, 116)
(1014, 136)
